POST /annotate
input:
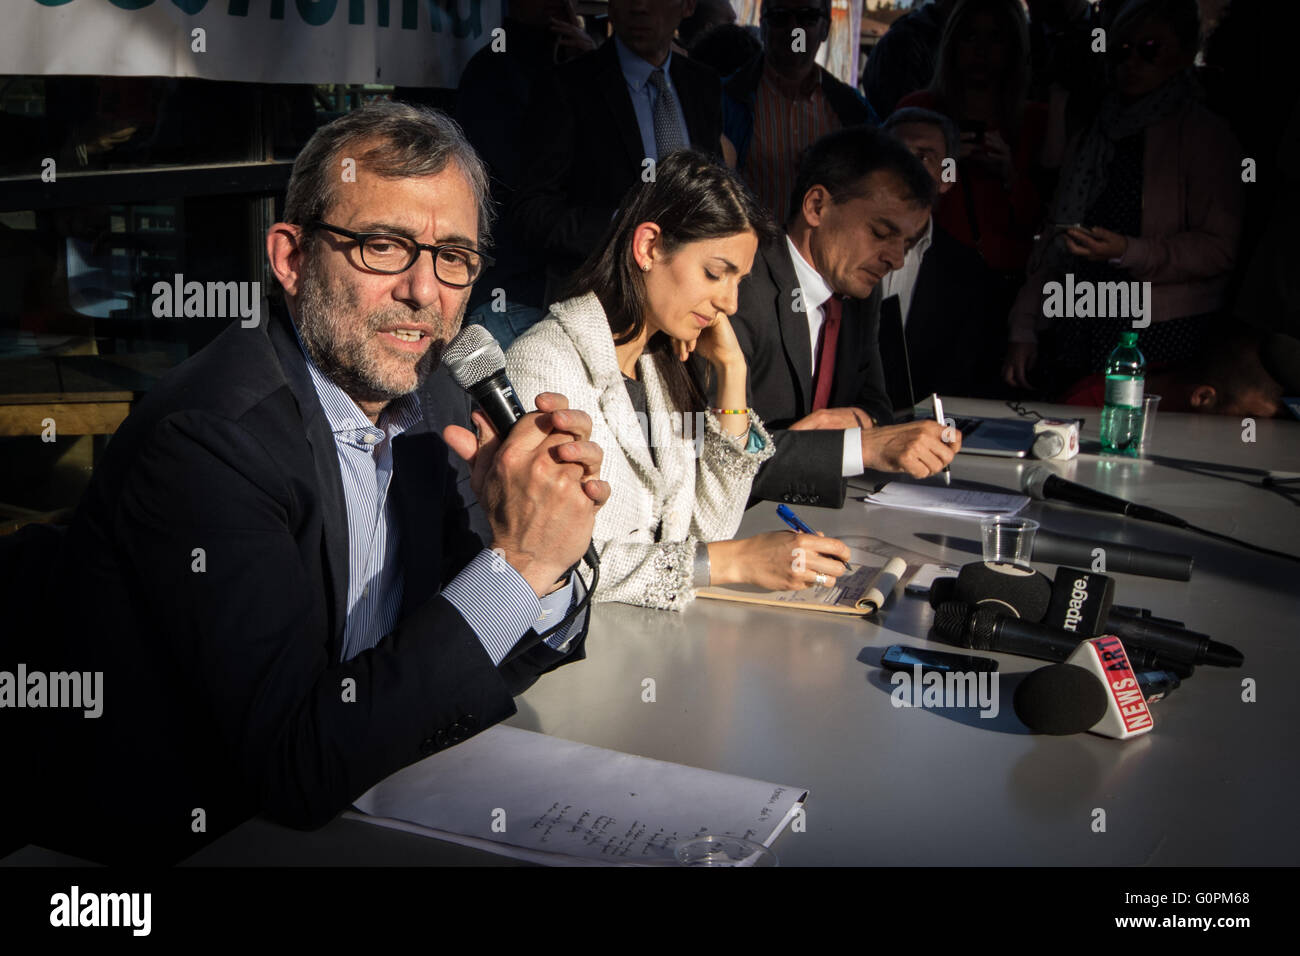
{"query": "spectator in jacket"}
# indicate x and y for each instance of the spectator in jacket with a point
(781, 103)
(1155, 183)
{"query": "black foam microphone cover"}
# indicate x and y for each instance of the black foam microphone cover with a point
(942, 590)
(1018, 592)
(1060, 699)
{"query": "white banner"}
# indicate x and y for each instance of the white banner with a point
(398, 42)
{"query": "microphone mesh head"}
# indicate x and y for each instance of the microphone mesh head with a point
(474, 355)
(981, 628)
(950, 622)
(1060, 699)
(1032, 481)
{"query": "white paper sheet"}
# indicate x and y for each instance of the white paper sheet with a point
(546, 800)
(959, 502)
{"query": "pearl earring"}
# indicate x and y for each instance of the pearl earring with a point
(645, 267)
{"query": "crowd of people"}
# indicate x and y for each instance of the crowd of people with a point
(305, 564)
(1080, 138)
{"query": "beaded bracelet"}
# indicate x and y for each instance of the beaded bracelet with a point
(730, 411)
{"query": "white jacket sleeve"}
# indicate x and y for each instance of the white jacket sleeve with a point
(724, 476)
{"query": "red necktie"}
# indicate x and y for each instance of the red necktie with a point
(827, 336)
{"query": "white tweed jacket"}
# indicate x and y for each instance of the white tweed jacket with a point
(647, 531)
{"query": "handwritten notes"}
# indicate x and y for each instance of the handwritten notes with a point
(546, 800)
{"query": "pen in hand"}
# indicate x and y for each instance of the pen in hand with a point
(798, 524)
(938, 417)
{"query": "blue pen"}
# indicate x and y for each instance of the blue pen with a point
(798, 524)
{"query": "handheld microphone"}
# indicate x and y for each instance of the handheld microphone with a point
(478, 365)
(1082, 602)
(983, 629)
(1039, 483)
(1053, 548)
(1097, 691)
(1171, 642)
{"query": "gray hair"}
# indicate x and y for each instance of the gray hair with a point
(915, 114)
(391, 140)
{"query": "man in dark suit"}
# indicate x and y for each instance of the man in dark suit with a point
(940, 325)
(275, 564)
(808, 322)
(601, 124)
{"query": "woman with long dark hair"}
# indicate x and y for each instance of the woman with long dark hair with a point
(640, 342)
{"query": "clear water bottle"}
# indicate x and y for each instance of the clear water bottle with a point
(1121, 418)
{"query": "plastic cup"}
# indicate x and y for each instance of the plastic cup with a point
(723, 851)
(1150, 403)
(1008, 540)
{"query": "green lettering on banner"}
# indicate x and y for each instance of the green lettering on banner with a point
(319, 12)
(472, 24)
(239, 8)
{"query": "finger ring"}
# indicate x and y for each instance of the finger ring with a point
(821, 580)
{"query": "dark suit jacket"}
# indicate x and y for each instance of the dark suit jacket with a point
(223, 688)
(587, 152)
(954, 332)
(775, 340)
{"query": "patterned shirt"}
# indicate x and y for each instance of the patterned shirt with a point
(496, 602)
(783, 130)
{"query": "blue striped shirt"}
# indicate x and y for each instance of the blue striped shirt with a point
(497, 603)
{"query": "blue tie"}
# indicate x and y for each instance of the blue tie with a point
(668, 134)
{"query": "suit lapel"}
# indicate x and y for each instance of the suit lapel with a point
(619, 101)
(691, 104)
(419, 475)
(792, 322)
(329, 483)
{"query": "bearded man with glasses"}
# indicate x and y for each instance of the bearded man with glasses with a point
(275, 564)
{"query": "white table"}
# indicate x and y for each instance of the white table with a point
(782, 696)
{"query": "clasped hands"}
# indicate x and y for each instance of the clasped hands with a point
(540, 486)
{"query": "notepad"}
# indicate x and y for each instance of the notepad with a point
(556, 802)
(935, 499)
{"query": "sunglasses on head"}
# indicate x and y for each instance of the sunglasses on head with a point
(1148, 50)
(806, 17)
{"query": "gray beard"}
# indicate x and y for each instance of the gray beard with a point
(338, 350)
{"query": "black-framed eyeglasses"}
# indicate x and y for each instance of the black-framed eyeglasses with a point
(806, 17)
(1148, 50)
(454, 265)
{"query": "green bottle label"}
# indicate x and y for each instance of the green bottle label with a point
(1124, 390)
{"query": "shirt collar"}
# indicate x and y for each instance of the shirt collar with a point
(815, 289)
(926, 238)
(345, 417)
(636, 70)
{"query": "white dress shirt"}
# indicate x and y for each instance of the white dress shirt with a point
(902, 282)
(814, 292)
